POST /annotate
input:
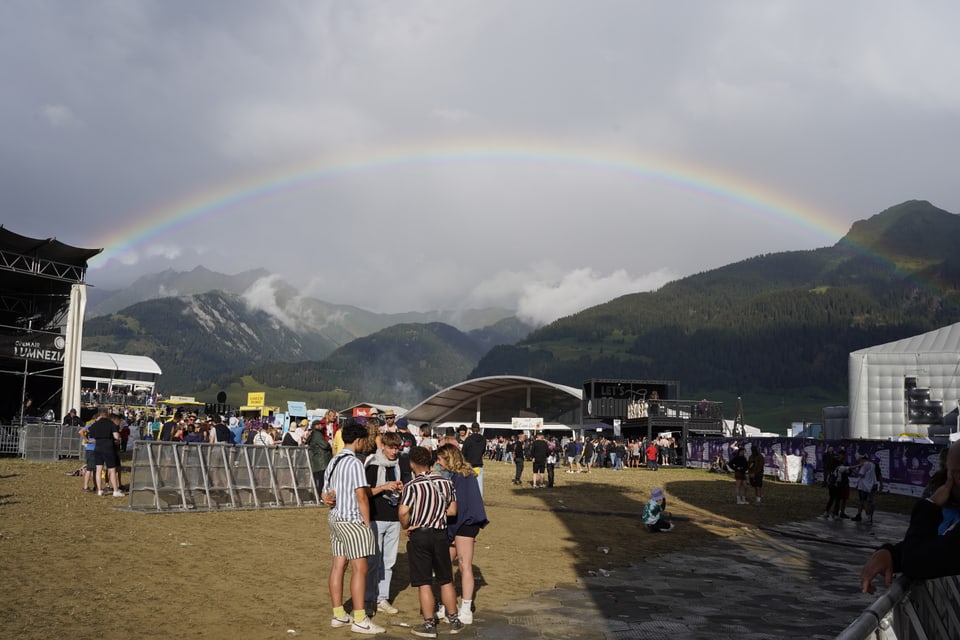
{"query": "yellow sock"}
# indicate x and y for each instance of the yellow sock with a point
(339, 612)
(359, 615)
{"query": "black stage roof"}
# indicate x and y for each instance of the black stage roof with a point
(36, 276)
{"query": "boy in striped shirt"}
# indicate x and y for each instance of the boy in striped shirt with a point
(425, 503)
(347, 494)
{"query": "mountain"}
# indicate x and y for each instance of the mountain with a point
(400, 365)
(209, 337)
(776, 326)
(169, 283)
(197, 338)
(335, 324)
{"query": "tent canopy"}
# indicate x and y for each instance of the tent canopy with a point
(498, 399)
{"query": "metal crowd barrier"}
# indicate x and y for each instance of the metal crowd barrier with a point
(922, 609)
(40, 441)
(175, 476)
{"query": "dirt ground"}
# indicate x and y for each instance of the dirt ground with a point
(77, 566)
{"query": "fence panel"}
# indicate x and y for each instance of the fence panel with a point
(174, 476)
(923, 609)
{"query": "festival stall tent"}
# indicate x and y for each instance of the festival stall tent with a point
(906, 386)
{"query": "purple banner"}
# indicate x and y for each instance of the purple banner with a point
(906, 467)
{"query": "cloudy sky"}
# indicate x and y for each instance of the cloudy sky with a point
(545, 155)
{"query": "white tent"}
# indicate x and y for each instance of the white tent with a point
(881, 379)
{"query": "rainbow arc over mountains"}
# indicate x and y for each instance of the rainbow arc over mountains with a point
(220, 199)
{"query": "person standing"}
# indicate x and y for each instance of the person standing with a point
(426, 503)
(220, 433)
(351, 538)
(652, 453)
(755, 472)
(739, 466)
(589, 453)
(555, 450)
(473, 449)
(573, 455)
(320, 452)
(462, 532)
(171, 428)
(516, 451)
(106, 433)
(867, 488)
(539, 452)
(831, 479)
(89, 444)
(382, 471)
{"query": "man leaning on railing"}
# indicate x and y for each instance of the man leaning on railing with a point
(931, 548)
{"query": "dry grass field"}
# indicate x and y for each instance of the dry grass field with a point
(77, 566)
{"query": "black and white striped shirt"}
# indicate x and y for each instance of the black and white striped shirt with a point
(429, 495)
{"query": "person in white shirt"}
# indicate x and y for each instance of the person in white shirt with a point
(867, 488)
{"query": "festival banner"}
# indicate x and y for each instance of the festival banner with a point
(38, 347)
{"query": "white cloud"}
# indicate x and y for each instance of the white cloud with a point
(296, 312)
(167, 251)
(544, 302)
(57, 115)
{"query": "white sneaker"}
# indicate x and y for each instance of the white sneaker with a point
(386, 607)
(118, 494)
(465, 615)
(345, 621)
(367, 626)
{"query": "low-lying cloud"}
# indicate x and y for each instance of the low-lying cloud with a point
(543, 302)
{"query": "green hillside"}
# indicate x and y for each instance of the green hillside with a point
(775, 329)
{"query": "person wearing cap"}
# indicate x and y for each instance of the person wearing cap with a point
(72, 419)
(654, 514)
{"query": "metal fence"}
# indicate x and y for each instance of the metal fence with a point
(43, 441)
(174, 476)
(922, 609)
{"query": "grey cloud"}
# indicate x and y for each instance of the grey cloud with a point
(470, 140)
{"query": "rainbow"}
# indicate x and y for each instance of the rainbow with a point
(219, 199)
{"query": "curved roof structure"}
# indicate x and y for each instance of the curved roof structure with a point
(118, 362)
(498, 399)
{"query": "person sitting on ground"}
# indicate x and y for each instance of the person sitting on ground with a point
(655, 515)
(926, 551)
(719, 465)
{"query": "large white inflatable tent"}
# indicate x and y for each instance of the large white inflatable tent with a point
(906, 386)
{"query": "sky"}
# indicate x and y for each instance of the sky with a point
(541, 155)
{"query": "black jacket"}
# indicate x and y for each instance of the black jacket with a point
(923, 553)
(473, 449)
